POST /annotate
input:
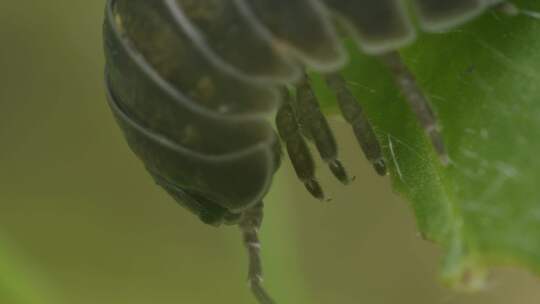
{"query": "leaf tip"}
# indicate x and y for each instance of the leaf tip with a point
(468, 276)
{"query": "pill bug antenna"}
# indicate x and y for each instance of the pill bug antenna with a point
(417, 101)
(249, 225)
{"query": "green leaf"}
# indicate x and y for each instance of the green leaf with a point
(483, 80)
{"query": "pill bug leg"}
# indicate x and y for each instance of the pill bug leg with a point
(249, 225)
(418, 102)
(297, 148)
(355, 116)
(313, 121)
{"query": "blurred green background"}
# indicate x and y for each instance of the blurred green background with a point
(82, 222)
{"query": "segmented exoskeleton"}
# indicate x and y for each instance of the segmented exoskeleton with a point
(192, 84)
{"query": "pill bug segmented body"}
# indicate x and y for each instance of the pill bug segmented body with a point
(192, 84)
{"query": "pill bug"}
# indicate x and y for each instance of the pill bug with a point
(192, 84)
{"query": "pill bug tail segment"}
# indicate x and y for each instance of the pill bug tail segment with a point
(417, 101)
(353, 113)
(250, 224)
(296, 146)
(314, 123)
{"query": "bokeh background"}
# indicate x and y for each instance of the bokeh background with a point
(82, 222)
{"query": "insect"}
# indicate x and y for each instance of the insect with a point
(192, 84)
